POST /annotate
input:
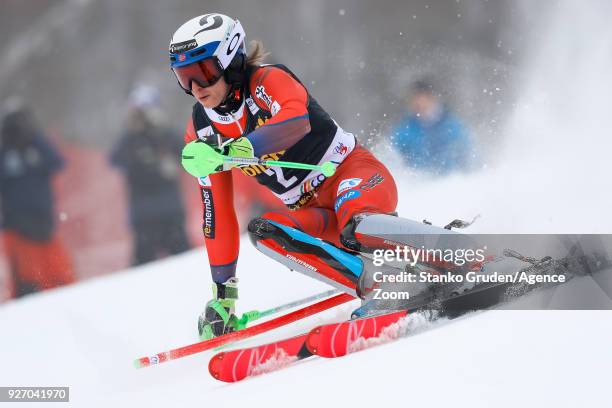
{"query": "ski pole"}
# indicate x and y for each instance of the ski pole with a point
(328, 168)
(209, 159)
(243, 334)
(253, 315)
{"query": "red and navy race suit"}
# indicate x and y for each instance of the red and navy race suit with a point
(283, 121)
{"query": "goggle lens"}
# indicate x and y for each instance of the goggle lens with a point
(205, 73)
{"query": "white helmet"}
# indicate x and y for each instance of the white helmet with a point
(206, 48)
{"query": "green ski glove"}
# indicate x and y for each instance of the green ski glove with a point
(200, 160)
(241, 147)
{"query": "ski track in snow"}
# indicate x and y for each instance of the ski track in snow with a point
(410, 325)
(278, 361)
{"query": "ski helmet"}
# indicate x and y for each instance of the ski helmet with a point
(206, 48)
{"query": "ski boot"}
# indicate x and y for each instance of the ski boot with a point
(219, 316)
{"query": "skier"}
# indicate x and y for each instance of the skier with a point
(245, 109)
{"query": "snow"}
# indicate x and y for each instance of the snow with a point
(86, 336)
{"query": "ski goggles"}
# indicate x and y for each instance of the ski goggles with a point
(205, 73)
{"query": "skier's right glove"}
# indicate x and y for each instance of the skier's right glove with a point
(219, 316)
(200, 160)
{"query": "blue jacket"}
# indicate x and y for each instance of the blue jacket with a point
(439, 147)
(26, 198)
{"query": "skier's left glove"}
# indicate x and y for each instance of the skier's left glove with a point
(240, 148)
(219, 316)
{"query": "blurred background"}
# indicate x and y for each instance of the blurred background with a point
(85, 79)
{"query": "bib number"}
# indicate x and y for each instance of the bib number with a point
(280, 177)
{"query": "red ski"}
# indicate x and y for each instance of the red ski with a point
(329, 340)
(340, 339)
(232, 366)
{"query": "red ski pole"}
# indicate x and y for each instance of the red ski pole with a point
(242, 334)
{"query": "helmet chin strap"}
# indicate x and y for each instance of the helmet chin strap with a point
(234, 75)
(233, 100)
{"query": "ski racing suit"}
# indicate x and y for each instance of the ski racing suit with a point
(284, 122)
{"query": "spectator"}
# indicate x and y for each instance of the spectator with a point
(431, 138)
(36, 256)
(148, 155)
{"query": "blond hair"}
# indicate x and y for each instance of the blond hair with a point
(258, 53)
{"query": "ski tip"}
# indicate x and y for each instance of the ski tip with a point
(215, 366)
(313, 340)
